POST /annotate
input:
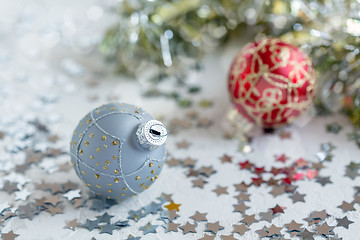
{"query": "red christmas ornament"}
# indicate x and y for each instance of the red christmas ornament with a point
(271, 82)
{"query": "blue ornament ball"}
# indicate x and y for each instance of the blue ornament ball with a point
(118, 150)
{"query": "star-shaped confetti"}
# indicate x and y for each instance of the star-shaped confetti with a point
(294, 226)
(70, 195)
(214, 227)
(107, 228)
(240, 207)
(226, 159)
(188, 162)
(188, 228)
(72, 224)
(172, 227)
(172, 214)
(266, 216)
(323, 180)
(274, 230)
(240, 229)
(277, 209)
(173, 162)
(347, 206)
(199, 216)
(183, 144)
(207, 237)
(207, 171)
(249, 219)
(149, 228)
(220, 190)
(282, 158)
(344, 222)
(311, 174)
(297, 197)
(228, 237)
(171, 206)
(10, 235)
(324, 229)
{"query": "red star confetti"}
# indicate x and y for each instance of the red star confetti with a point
(246, 165)
(282, 158)
(277, 209)
(311, 174)
(298, 176)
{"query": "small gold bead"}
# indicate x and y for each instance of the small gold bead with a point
(146, 187)
(97, 164)
(73, 164)
(116, 171)
(88, 121)
(86, 143)
(116, 180)
(105, 146)
(105, 167)
(159, 165)
(137, 178)
(112, 109)
(115, 142)
(151, 164)
(124, 188)
(97, 176)
(156, 176)
(75, 142)
(83, 172)
(109, 184)
(153, 171)
(98, 149)
(107, 162)
(97, 112)
(123, 194)
(91, 135)
(80, 135)
(91, 156)
(143, 184)
(80, 152)
(147, 177)
(98, 186)
(152, 179)
(133, 195)
(114, 157)
(89, 184)
(137, 111)
(108, 197)
(109, 191)
(103, 138)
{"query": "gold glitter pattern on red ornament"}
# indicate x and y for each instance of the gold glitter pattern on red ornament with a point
(271, 82)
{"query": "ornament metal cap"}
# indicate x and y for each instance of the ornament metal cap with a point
(151, 134)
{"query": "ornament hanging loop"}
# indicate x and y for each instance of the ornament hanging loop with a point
(151, 134)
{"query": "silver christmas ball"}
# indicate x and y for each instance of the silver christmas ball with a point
(118, 150)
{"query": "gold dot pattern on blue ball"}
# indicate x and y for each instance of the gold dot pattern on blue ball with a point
(100, 153)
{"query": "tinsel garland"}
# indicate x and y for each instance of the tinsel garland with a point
(173, 35)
